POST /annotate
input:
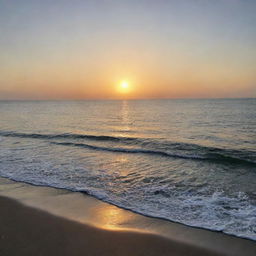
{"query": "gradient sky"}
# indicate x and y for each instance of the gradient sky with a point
(73, 49)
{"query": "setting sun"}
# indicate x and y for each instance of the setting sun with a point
(124, 84)
(124, 87)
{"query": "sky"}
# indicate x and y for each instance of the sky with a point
(82, 49)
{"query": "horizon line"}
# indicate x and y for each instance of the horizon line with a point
(130, 99)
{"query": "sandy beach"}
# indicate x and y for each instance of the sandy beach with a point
(47, 221)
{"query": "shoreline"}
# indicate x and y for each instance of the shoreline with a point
(78, 214)
(6, 179)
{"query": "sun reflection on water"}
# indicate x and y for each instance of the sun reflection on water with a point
(111, 217)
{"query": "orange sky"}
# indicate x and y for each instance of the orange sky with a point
(163, 49)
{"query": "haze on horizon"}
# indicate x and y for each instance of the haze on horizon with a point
(164, 49)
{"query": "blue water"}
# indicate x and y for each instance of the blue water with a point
(189, 161)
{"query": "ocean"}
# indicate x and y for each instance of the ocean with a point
(190, 161)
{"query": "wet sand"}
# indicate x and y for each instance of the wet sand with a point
(47, 221)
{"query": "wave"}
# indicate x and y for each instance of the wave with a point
(212, 202)
(148, 146)
(207, 157)
(124, 150)
(65, 135)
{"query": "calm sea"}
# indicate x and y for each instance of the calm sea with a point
(189, 161)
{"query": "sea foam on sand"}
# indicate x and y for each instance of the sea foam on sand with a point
(48, 221)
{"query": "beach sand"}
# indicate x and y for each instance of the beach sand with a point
(46, 221)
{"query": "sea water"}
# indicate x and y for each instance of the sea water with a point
(188, 161)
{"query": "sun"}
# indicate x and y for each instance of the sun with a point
(124, 86)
